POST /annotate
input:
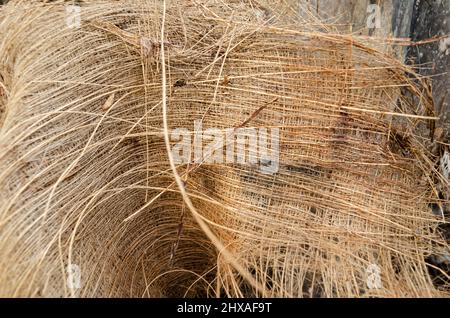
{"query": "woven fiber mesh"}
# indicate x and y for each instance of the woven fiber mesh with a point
(86, 181)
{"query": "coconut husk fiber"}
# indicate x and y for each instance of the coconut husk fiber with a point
(86, 177)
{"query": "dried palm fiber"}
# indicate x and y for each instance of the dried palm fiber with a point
(85, 177)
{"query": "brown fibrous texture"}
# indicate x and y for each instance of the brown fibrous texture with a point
(86, 177)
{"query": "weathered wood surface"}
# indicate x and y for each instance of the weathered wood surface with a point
(430, 19)
(395, 15)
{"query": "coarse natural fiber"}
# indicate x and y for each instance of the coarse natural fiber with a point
(86, 178)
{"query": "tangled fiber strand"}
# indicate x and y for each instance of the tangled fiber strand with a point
(85, 175)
